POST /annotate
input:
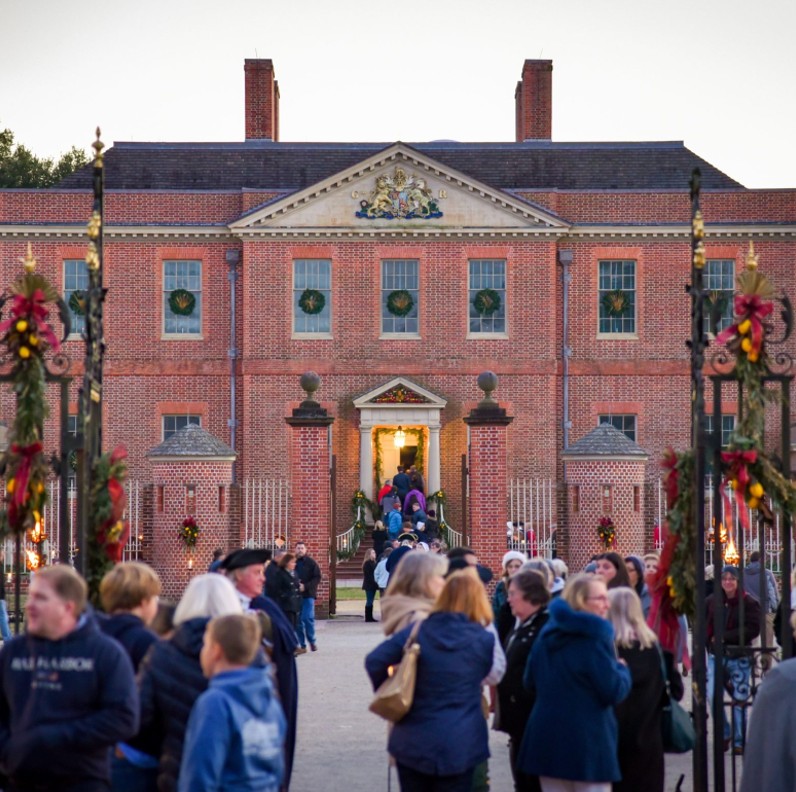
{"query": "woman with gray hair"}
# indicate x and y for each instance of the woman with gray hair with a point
(171, 679)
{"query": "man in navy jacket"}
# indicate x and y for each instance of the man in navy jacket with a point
(67, 692)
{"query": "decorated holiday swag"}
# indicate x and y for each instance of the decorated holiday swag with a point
(27, 335)
(109, 530)
(189, 533)
(606, 532)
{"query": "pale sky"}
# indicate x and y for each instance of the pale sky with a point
(717, 74)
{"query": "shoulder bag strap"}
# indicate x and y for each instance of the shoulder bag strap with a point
(667, 686)
(412, 635)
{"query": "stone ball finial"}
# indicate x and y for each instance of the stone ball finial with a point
(310, 382)
(487, 382)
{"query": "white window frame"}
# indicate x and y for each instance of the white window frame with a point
(609, 418)
(192, 286)
(190, 418)
(297, 313)
(75, 281)
(623, 333)
(472, 315)
(727, 280)
(384, 291)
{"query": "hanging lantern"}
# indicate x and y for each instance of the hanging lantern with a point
(400, 438)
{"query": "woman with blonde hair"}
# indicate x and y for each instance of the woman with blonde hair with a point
(570, 739)
(171, 679)
(640, 748)
(412, 591)
(438, 744)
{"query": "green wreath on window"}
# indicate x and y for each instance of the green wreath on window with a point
(312, 301)
(182, 302)
(487, 302)
(400, 302)
(617, 303)
(77, 302)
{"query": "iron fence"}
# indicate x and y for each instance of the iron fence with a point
(531, 527)
(266, 512)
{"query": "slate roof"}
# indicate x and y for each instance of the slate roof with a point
(605, 440)
(192, 441)
(534, 165)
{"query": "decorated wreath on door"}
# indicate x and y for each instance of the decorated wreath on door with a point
(182, 302)
(487, 302)
(312, 301)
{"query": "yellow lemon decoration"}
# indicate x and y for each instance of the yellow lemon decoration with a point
(756, 490)
(10, 486)
(753, 356)
(33, 340)
(746, 345)
(734, 483)
(24, 352)
(753, 503)
(21, 326)
(744, 327)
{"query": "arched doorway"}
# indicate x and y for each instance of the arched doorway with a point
(398, 403)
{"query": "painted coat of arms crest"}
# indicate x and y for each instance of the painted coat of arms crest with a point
(399, 196)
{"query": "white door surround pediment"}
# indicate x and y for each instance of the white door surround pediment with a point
(399, 401)
(403, 402)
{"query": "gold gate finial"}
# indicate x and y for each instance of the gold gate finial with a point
(28, 261)
(751, 258)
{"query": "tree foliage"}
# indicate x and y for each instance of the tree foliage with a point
(20, 167)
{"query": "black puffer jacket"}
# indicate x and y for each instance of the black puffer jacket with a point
(170, 681)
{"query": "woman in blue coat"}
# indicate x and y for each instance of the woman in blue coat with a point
(438, 744)
(571, 738)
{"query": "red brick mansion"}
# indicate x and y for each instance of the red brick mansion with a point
(398, 272)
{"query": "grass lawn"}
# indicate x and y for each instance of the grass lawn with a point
(349, 593)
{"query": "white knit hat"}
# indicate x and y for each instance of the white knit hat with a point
(514, 555)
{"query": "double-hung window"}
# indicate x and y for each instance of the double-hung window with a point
(75, 290)
(312, 296)
(487, 296)
(617, 296)
(719, 281)
(182, 298)
(399, 296)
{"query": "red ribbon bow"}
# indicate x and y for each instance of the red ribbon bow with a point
(23, 471)
(751, 307)
(34, 311)
(737, 462)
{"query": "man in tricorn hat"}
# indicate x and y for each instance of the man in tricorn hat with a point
(245, 569)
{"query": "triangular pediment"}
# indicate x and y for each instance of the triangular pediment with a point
(398, 190)
(400, 392)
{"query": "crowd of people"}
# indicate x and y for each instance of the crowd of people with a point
(140, 695)
(571, 665)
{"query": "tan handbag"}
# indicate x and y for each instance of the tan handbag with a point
(394, 696)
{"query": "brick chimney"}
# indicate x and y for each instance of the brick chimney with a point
(262, 100)
(534, 101)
